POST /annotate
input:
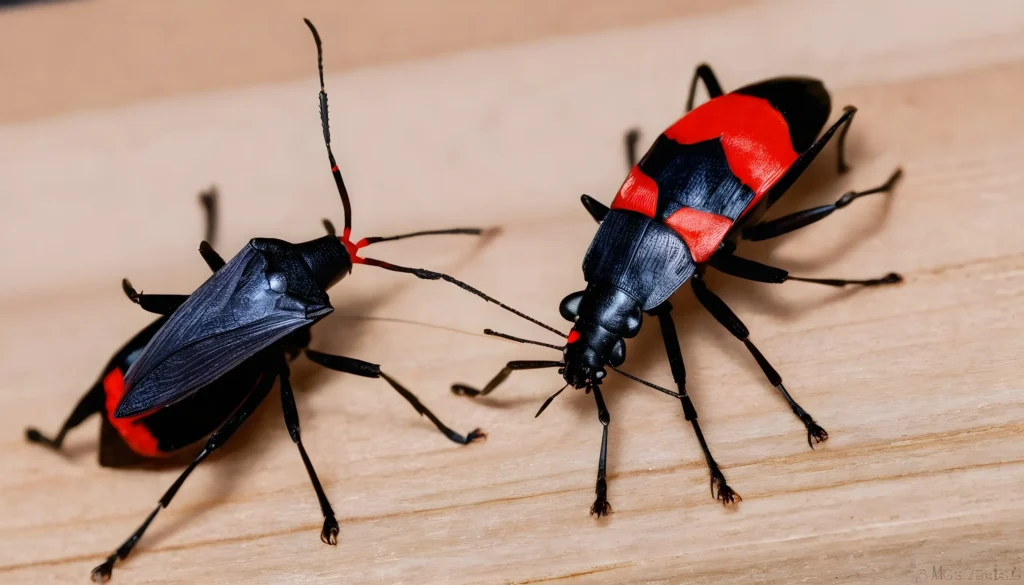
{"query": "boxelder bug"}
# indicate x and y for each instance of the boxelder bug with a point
(223, 347)
(705, 183)
(126, 441)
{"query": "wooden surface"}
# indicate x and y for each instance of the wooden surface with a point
(919, 385)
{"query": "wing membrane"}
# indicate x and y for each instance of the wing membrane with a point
(228, 319)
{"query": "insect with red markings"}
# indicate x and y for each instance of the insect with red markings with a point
(212, 357)
(703, 185)
(128, 441)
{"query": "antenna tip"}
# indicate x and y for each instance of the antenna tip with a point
(316, 35)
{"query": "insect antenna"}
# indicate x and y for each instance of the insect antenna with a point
(548, 401)
(646, 383)
(453, 231)
(431, 275)
(521, 340)
(338, 180)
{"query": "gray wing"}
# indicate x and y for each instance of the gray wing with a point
(228, 319)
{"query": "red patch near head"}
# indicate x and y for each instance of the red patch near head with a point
(755, 137)
(702, 231)
(638, 193)
(135, 434)
(573, 336)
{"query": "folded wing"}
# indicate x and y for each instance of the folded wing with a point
(230, 318)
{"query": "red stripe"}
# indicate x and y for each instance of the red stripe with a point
(638, 193)
(755, 137)
(134, 433)
(702, 231)
(334, 169)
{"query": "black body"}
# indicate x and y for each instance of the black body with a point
(268, 290)
(683, 209)
(225, 346)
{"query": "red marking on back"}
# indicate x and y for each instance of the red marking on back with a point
(334, 169)
(573, 336)
(134, 433)
(638, 193)
(702, 231)
(755, 137)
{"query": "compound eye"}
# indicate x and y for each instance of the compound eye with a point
(570, 306)
(278, 283)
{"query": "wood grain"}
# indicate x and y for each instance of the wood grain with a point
(919, 385)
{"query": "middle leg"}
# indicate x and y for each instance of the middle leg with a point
(757, 272)
(724, 315)
(329, 534)
(368, 370)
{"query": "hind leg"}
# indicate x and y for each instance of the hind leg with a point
(88, 405)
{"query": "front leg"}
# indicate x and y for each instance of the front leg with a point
(601, 506)
(464, 390)
(720, 490)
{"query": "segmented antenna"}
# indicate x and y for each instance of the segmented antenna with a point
(338, 180)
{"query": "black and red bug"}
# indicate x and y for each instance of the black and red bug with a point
(703, 185)
(212, 357)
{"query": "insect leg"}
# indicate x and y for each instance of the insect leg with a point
(757, 272)
(595, 208)
(368, 370)
(601, 506)
(329, 534)
(208, 199)
(805, 159)
(720, 490)
(504, 373)
(794, 221)
(705, 74)
(724, 315)
(89, 404)
(159, 304)
(102, 572)
(631, 139)
(212, 258)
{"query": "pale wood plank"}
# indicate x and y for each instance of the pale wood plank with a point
(918, 385)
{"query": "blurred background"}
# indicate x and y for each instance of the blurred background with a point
(114, 114)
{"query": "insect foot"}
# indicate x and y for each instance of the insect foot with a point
(721, 491)
(329, 535)
(815, 434)
(474, 435)
(601, 507)
(101, 574)
(463, 390)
